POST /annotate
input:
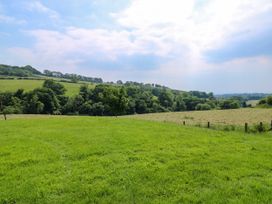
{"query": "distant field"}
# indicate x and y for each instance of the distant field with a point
(215, 117)
(27, 85)
(253, 103)
(55, 159)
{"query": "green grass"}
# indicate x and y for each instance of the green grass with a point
(27, 85)
(118, 160)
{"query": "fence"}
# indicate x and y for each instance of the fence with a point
(260, 127)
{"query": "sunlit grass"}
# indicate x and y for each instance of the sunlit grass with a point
(116, 160)
(27, 85)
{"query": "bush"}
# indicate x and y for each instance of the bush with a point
(11, 110)
(203, 106)
(269, 100)
(260, 128)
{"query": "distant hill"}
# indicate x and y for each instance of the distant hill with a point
(26, 71)
(29, 71)
(244, 96)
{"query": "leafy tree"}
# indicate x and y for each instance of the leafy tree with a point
(166, 99)
(119, 82)
(86, 108)
(49, 100)
(85, 92)
(269, 100)
(229, 104)
(33, 105)
(179, 104)
(141, 106)
(74, 78)
(58, 88)
(204, 106)
(98, 109)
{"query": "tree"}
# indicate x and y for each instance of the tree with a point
(2, 106)
(98, 109)
(166, 98)
(229, 104)
(86, 108)
(74, 78)
(85, 92)
(269, 100)
(179, 104)
(204, 106)
(58, 88)
(47, 101)
(33, 105)
(119, 82)
(141, 106)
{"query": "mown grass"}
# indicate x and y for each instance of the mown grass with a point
(217, 118)
(27, 85)
(119, 160)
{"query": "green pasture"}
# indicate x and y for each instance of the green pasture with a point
(62, 159)
(27, 85)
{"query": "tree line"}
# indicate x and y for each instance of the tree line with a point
(108, 100)
(73, 77)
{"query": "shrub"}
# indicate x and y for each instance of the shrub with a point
(203, 106)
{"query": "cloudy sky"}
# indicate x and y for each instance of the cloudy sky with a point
(210, 45)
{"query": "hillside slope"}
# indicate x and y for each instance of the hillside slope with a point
(27, 85)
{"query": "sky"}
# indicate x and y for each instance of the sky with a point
(208, 45)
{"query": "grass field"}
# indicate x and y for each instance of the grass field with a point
(27, 85)
(236, 117)
(253, 103)
(118, 160)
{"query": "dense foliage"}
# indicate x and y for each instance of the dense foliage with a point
(107, 99)
(266, 102)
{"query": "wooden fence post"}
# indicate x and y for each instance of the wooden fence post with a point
(271, 125)
(5, 116)
(208, 124)
(261, 127)
(246, 127)
(183, 122)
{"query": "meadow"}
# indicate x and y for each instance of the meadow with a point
(217, 118)
(69, 159)
(28, 85)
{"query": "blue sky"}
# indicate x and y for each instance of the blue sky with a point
(209, 45)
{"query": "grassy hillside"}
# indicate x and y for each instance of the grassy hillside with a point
(215, 117)
(27, 85)
(117, 160)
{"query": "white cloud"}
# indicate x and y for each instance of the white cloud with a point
(77, 45)
(189, 22)
(179, 30)
(93, 43)
(11, 20)
(37, 6)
